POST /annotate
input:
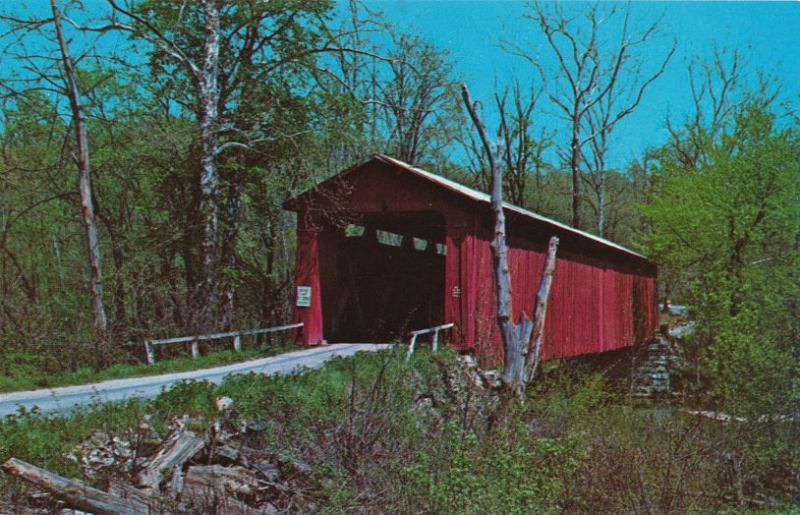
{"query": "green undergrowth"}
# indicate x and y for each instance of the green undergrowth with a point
(384, 436)
(19, 372)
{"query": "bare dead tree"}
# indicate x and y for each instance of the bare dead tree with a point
(535, 352)
(523, 152)
(410, 105)
(82, 160)
(718, 90)
(477, 161)
(522, 156)
(514, 335)
(620, 101)
(417, 100)
(520, 362)
(589, 73)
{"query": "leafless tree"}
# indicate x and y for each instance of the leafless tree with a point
(356, 76)
(84, 182)
(718, 89)
(417, 100)
(595, 80)
(58, 75)
(522, 156)
(522, 151)
(621, 100)
(522, 341)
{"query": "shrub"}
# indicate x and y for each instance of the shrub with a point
(513, 472)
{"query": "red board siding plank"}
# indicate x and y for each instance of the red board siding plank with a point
(307, 273)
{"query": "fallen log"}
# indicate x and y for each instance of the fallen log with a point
(250, 458)
(230, 480)
(75, 493)
(145, 503)
(212, 488)
(179, 447)
(224, 505)
(239, 455)
(261, 459)
(175, 483)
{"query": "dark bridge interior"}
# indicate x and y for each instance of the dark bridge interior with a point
(382, 276)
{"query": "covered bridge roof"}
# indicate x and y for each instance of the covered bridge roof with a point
(472, 194)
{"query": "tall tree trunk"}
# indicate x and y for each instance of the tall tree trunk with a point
(520, 360)
(230, 236)
(85, 187)
(208, 87)
(601, 205)
(575, 167)
(600, 187)
(515, 337)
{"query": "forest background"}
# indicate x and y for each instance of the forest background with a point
(183, 127)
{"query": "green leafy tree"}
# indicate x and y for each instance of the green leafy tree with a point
(222, 63)
(731, 227)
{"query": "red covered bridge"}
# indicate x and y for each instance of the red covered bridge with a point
(384, 247)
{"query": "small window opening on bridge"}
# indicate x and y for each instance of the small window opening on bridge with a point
(389, 238)
(441, 248)
(420, 244)
(354, 231)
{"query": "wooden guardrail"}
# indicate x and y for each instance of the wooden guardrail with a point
(236, 335)
(434, 341)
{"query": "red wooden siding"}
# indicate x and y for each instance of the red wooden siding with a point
(591, 304)
(603, 296)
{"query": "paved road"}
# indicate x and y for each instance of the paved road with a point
(62, 399)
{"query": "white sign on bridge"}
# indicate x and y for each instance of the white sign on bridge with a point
(304, 296)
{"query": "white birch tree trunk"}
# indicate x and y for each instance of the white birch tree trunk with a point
(208, 93)
(601, 205)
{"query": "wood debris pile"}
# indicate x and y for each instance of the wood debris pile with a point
(188, 471)
(464, 392)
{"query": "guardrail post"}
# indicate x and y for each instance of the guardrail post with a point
(411, 347)
(237, 343)
(148, 349)
(195, 348)
(434, 339)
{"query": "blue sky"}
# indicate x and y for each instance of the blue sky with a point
(766, 34)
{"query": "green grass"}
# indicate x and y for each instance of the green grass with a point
(374, 446)
(25, 376)
(297, 399)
